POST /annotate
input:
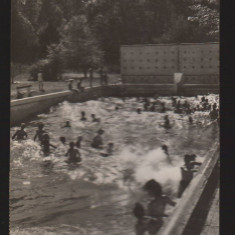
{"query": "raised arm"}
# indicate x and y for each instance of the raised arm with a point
(16, 133)
(36, 135)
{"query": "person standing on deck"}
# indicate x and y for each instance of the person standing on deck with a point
(40, 81)
(90, 71)
(101, 72)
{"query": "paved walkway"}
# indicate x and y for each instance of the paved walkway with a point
(211, 226)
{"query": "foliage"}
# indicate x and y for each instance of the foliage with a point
(76, 34)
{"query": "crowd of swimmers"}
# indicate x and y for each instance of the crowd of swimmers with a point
(150, 219)
(73, 153)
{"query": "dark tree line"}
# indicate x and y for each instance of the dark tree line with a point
(76, 34)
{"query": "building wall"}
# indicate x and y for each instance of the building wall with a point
(149, 64)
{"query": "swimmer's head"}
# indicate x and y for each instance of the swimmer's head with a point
(153, 188)
(63, 139)
(100, 131)
(162, 104)
(193, 157)
(93, 115)
(187, 158)
(116, 108)
(164, 148)
(71, 144)
(40, 126)
(190, 119)
(83, 113)
(110, 144)
(46, 136)
(138, 111)
(166, 117)
(79, 138)
(22, 125)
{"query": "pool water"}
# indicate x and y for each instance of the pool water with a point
(48, 196)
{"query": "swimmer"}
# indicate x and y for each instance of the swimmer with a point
(215, 105)
(173, 101)
(203, 99)
(20, 134)
(152, 220)
(94, 119)
(166, 124)
(46, 144)
(152, 108)
(116, 108)
(83, 118)
(78, 143)
(187, 173)
(214, 113)
(190, 119)
(138, 111)
(67, 124)
(39, 132)
(109, 150)
(62, 140)
(97, 142)
(163, 108)
(165, 150)
(193, 162)
(146, 106)
(73, 154)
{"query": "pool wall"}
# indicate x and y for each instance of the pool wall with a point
(27, 108)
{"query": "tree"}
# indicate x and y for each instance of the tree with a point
(24, 39)
(79, 48)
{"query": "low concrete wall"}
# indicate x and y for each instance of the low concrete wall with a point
(24, 108)
(177, 223)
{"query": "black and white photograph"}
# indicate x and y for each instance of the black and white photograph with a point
(114, 117)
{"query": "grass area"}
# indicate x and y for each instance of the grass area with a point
(50, 87)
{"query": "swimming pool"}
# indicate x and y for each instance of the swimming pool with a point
(49, 197)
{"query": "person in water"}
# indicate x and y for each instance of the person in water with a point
(46, 144)
(83, 118)
(190, 120)
(163, 108)
(214, 113)
(152, 108)
(138, 111)
(20, 134)
(109, 150)
(165, 150)
(78, 143)
(62, 140)
(187, 172)
(151, 220)
(116, 108)
(67, 124)
(73, 154)
(166, 124)
(39, 132)
(97, 142)
(94, 119)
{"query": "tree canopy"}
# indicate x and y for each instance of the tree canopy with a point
(82, 33)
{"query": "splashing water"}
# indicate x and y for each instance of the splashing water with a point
(47, 192)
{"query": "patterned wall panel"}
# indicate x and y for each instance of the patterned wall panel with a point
(199, 59)
(148, 60)
(157, 63)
